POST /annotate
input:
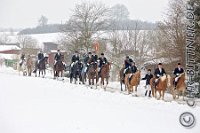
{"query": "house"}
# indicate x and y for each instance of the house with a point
(48, 46)
(10, 48)
(9, 53)
(51, 56)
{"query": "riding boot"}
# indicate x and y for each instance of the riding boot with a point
(175, 84)
(146, 93)
(150, 93)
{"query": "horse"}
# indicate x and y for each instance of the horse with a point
(180, 87)
(160, 87)
(29, 65)
(132, 80)
(105, 74)
(21, 66)
(121, 77)
(42, 67)
(92, 73)
(76, 69)
(83, 73)
(59, 68)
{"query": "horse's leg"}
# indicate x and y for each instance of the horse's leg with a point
(75, 77)
(62, 75)
(135, 90)
(89, 80)
(93, 81)
(121, 85)
(159, 94)
(163, 94)
(155, 93)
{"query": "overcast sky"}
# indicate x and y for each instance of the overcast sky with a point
(25, 13)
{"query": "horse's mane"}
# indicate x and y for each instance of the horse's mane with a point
(163, 78)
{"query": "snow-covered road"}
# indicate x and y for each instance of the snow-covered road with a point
(37, 105)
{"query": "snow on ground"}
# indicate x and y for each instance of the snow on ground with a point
(40, 105)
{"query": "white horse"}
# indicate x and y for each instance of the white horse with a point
(22, 68)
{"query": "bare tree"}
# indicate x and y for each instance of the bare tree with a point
(88, 18)
(119, 12)
(28, 44)
(42, 21)
(172, 31)
(4, 38)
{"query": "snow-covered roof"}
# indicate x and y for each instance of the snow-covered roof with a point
(8, 56)
(9, 47)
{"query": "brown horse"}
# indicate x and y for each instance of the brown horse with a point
(180, 87)
(132, 80)
(59, 68)
(105, 74)
(92, 73)
(29, 65)
(160, 87)
(121, 77)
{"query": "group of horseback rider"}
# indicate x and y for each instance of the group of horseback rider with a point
(159, 72)
(129, 65)
(90, 59)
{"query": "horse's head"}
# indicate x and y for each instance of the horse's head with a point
(164, 81)
(182, 76)
(138, 74)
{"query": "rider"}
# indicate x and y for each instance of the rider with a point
(75, 57)
(22, 59)
(159, 71)
(127, 63)
(133, 68)
(148, 77)
(40, 56)
(177, 71)
(57, 57)
(94, 56)
(102, 60)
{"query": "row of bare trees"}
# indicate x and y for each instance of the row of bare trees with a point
(27, 43)
(89, 21)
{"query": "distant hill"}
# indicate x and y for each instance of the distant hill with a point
(51, 28)
(117, 25)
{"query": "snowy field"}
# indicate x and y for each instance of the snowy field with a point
(43, 105)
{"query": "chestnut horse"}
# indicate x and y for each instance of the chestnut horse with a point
(132, 80)
(105, 74)
(160, 87)
(180, 87)
(29, 65)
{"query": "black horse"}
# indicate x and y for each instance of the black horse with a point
(75, 72)
(41, 66)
